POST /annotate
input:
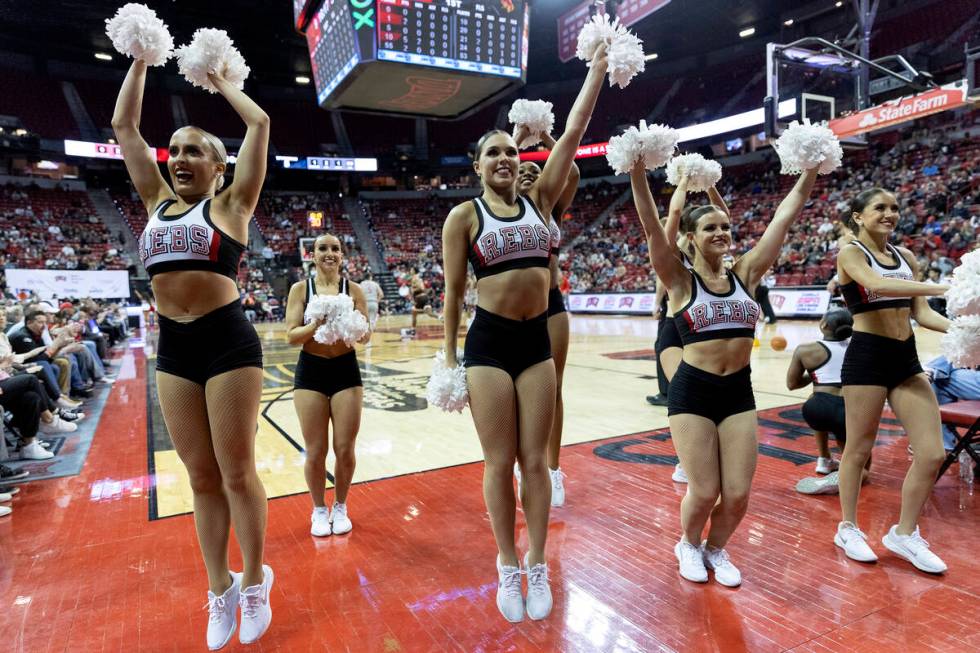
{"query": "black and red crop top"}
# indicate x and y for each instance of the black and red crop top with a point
(860, 300)
(708, 316)
(502, 244)
(188, 241)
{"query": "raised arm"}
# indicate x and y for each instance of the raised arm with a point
(677, 201)
(718, 200)
(662, 251)
(851, 260)
(243, 194)
(455, 242)
(571, 183)
(554, 176)
(140, 160)
(753, 266)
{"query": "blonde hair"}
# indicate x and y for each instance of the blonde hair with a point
(218, 151)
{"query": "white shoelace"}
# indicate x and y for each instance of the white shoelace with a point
(216, 608)
(855, 530)
(339, 509)
(557, 477)
(250, 603)
(916, 543)
(690, 553)
(537, 579)
(510, 582)
(718, 557)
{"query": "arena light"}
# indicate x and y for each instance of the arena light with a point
(747, 32)
(839, 4)
(651, 56)
(302, 79)
(102, 56)
(788, 22)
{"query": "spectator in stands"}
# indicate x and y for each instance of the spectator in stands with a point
(952, 384)
(48, 378)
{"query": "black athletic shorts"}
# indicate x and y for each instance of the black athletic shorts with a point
(328, 376)
(221, 341)
(696, 392)
(825, 412)
(421, 300)
(668, 336)
(876, 360)
(511, 345)
(556, 302)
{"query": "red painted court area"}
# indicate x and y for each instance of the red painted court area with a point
(83, 569)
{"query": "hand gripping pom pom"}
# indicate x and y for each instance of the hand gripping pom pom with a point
(624, 150)
(655, 144)
(341, 321)
(135, 31)
(211, 51)
(961, 344)
(702, 173)
(625, 50)
(447, 386)
(804, 147)
(963, 296)
(536, 115)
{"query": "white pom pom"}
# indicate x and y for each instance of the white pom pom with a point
(624, 150)
(341, 321)
(961, 344)
(211, 51)
(963, 296)
(447, 386)
(804, 147)
(702, 173)
(626, 59)
(597, 31)
(536, 115)
(135, 31)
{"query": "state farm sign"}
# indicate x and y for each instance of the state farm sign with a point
(901, 110)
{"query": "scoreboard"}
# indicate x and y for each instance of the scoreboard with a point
(436, 58)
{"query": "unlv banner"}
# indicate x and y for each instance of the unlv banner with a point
(570, 24)
(799, 302)
(630, 12)
(63, 284)
(901, 110)
(639, 303)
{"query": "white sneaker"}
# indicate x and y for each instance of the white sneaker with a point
(691, 561)
(256, 608)
(510, 601)
(855, 543)
(321, 522)
(58, 425)
(725, 572)
(538, 591)
(679, 475)
(65, 402)
(557, 489)
(517, 475)
(828, 484)
(914, 549)
(106, 380)
(5, 510)
(6, 496)
(827, 465)
(339, 521)
(222, 614)
(34, 451)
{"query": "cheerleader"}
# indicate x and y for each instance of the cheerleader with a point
(209, 358)
(528, 174)
(710, 403)
(327, 388)
(882, 363)
(510, 371)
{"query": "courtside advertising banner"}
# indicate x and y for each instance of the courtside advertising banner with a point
(786, 302)
(62, 284)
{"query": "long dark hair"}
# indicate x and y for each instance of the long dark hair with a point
(860, 202)
(840, 323)
(691, 215)
(483, 141)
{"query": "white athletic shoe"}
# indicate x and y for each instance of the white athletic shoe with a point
(517, 475)
(725, 572)
(914, 549)
(510, 601)
(65, 402)
(58, 425)
(679, 475)
(222, 614)
(256, 608)
(827, 465)
(691, 561)
(320, 522)
(6, 496)
(828, 484)
(34, 451)
(339, 521)
(538, 591)
(5, 510)
(557, 489)
(855, 543)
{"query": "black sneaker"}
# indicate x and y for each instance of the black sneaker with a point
(70, 415)
(8, 474)
(80, 393)
(657, 400)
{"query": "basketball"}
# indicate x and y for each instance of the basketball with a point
(778, 343)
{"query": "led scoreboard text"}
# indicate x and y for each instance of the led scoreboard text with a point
(483, 37)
